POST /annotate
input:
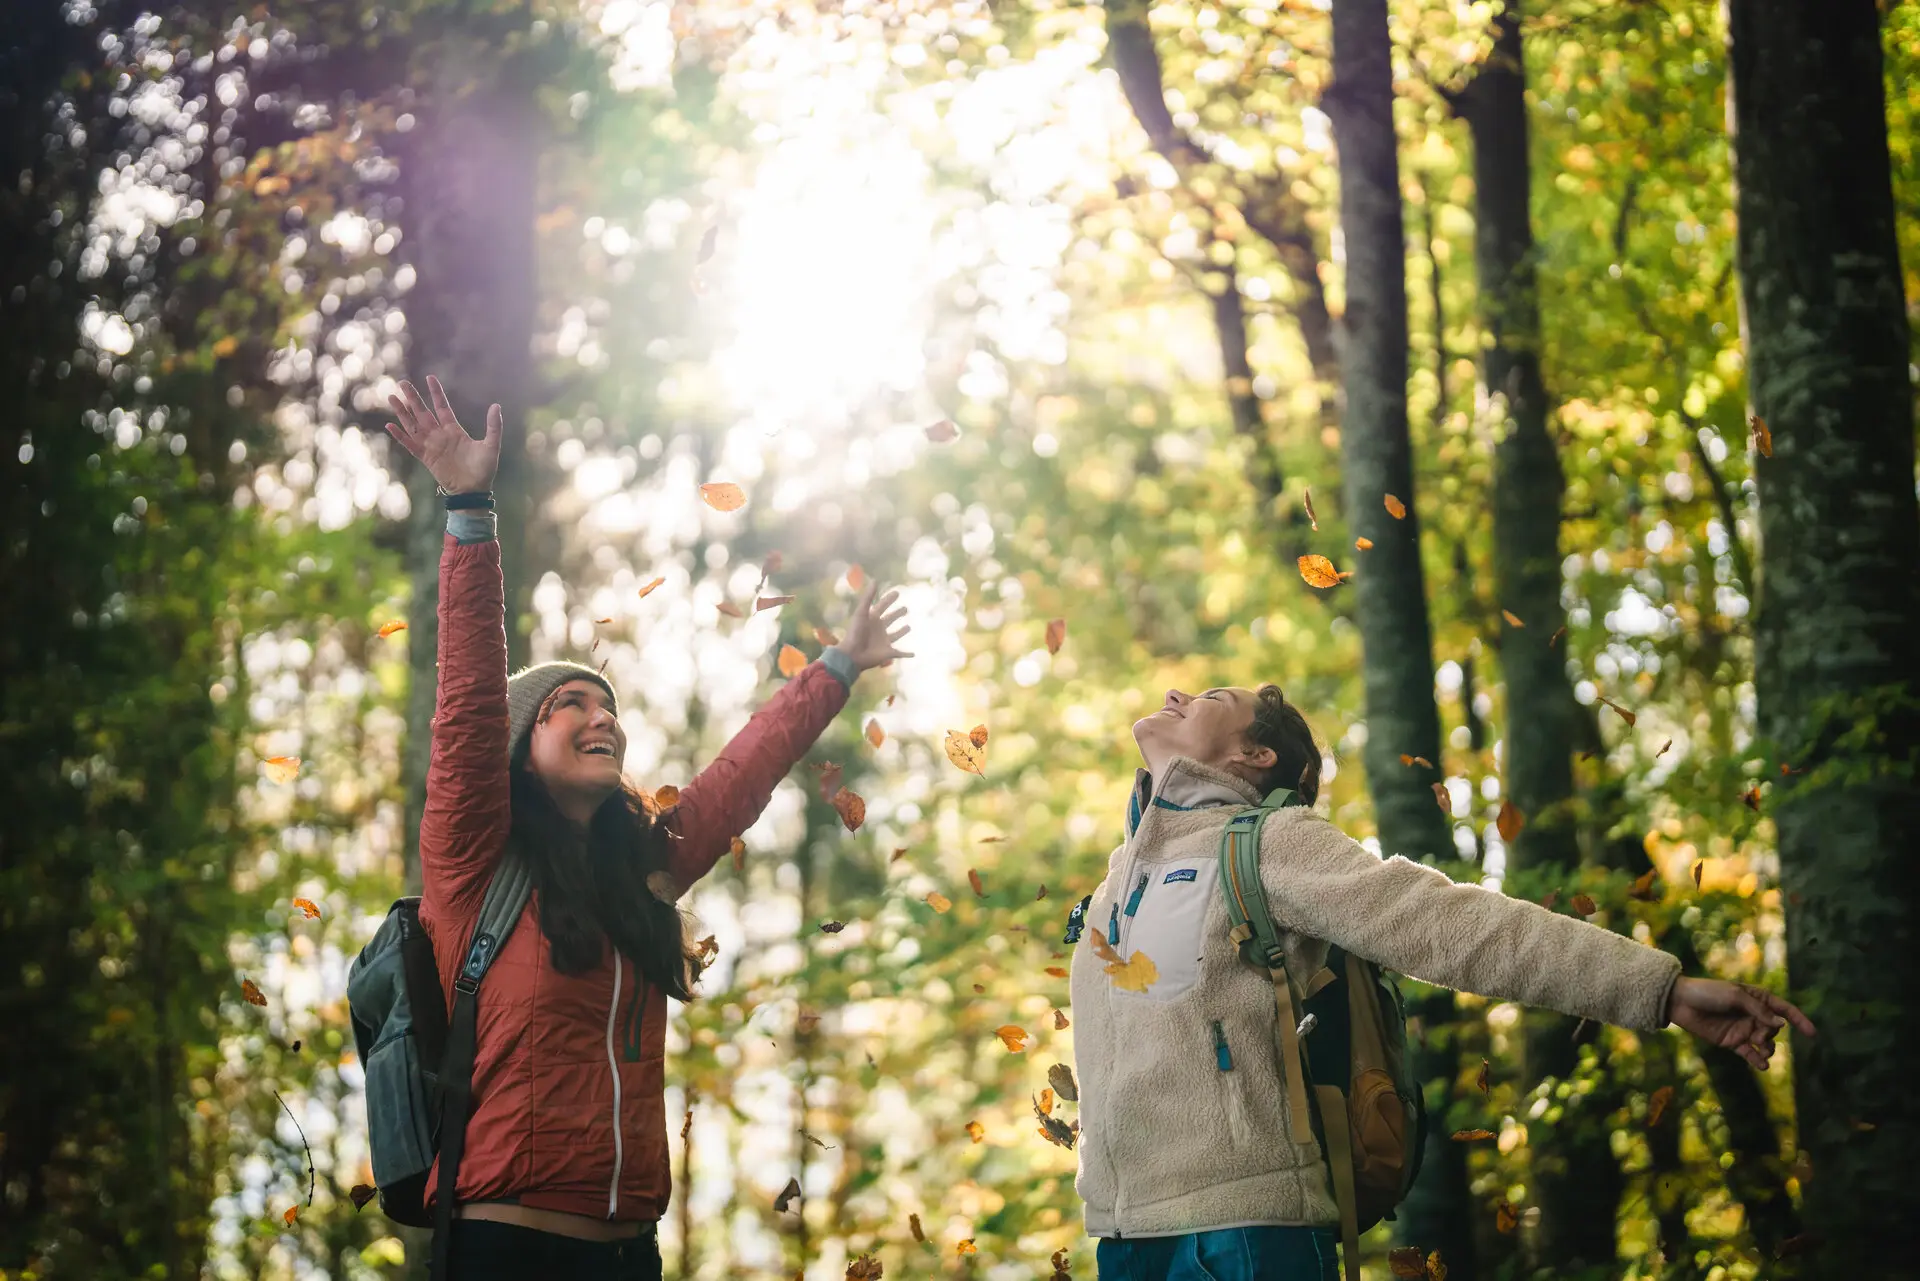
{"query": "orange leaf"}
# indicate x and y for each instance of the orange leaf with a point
(1363, 544)
(1625, 715)
(1642, 887)
(1751, 798)
(282, 769)
(601, 622)
(730, 609)
(1415, 760)
(389, 629)
(1512, 619)
(1509, 821)
(1445, 799)
(856, 578)
(973, 879)
(977, 736)
(942, 432)
(293, 1212)
(361, 1194)
(965, 1247)
(1471, 1136)
(1059, 1021)
(308, 907)
(770, 602)
(1506, 1217)
(1312, 520)
(1014, 1037)
(1319, 572)
(825, 637)
(1583, 904)
(1056, 635)
(976, 1131)
(875, 734)
(724, 496)
(648, 589)
(1657, 1105)
(666, 797)
(1045, 1103)
(852, 809)
(1762, 435)
(253, 995)
(964, 754)
(1395, 508)
(739, 849)
(1552, 897)
(791, 661)
(938, 901)
(1056, 971)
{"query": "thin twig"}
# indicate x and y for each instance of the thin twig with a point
(303, 1143)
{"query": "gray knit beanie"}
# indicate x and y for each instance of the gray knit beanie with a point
(530, 687)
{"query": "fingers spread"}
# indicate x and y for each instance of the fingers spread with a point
(422, 415)
(442, 407)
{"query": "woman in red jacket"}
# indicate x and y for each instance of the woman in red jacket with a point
(565, 1171)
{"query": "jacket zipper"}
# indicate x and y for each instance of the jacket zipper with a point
(613, 1066)
(1133, 900)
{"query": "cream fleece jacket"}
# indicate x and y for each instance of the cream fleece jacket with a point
(1169, 1142)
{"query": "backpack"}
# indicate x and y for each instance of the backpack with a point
(419, 1062)
(1371, 1112)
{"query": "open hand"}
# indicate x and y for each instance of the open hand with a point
(873, 637)
(1733, 1016)
(459, 463)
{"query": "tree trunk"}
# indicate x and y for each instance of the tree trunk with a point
(1572, 1162)
(1837, 621)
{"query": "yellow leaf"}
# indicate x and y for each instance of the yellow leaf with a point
(1135, 973)
(1445, 799)
(1512, 619)
(1319, 572)
(965, 1247)
(389, 629)
(308, 907)
(962, 751)
(724, 496)
(648, 589)
(226, 347)
(792, 662)
(875, 734)
(976, 1131)
(1395, 508)
(938, 901)
(282, 769)
(1014, 1037)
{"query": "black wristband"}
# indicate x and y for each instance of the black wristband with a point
(467, 501)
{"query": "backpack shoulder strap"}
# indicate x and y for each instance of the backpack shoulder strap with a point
(1258, 939)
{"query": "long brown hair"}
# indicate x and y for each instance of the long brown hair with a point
(1278, 724)
(592, 883)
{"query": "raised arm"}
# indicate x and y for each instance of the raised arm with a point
(728, 795)
(464, 826)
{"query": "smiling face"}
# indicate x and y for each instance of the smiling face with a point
(1210, 728)
(576, 748)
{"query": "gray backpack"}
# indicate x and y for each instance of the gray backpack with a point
(418, 1061)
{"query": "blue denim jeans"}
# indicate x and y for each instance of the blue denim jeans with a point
(1225, 1254)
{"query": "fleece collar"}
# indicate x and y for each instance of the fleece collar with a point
(1186, 784)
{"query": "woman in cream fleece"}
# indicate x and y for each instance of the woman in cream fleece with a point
(1188, 1168)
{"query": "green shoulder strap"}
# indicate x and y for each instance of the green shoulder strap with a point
(1240, 876)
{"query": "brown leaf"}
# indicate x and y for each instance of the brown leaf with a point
(973, 879)
(1512, 619)
(1548, 899)
(704, 953)
(1042, 894)
(962, 751)
(739, 850)
(977, 736)
(1555, 638)
(919, 1233)
(730, 609)
(1625, 715)
(1395, 508)
(829, 779)
(648, 590)
(787, 1196)
(1509, 821)
(1471, 1136)
(1642, 887)
(724, 496)
(1699, 866)
(856, 578)
(1053, 1130)
(825, 637)
(791, 662)
(1059, 1021)
(1506, 1217)
(851, 808)
(1583, 904)
(832, 927)
(1319, 572)
(1408, 1263)
(875, 734)
(308, 908)
(864, 1268)
(1436, 1270)
(1060, 1077)
(942, 432)
(361, 1194)
(1312, 520)
(1762, 435)
(1663, 749)
(1445, 798)
(1056, 635)
(1483, 1079)
(390, 629)
(770, 602)
(1055, 971)
(976, 1131)
(899, 852)
(1363, 544)
(601, 622)
(938, 901)
(1751, 798)
(252, 994)
(282, 769)
(1014, 1037)
(1415, 760)
(1657, 1105)
(806, 1020)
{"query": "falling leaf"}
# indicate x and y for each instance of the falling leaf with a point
(786, 1197)
(978, 736)
(1136, 973)
(1312, 520)
(601, 622)
(1512, 619)
(1698, 867)
(832, 927)
(1750, 798)
(1415, 760)
(1509, 821)
(938, 901)
(1319, 572)
(979, 989)
(791, 662)
(704, 953)
(1663, 749)
(1059, 1021)
(1062, 1264)
(707, 243)
(1482, 1080)
(973, 879)
(1407, 1263)
(390, 629)
(1657, 1105)
(806, 1020)
(851, 808)
(962, 752)
(1055, 971)
(252, 993)
(1444, 797)
(730, 609)
(1625, 715)
(1054, 1130)
(282, 769)
(666, 797)
(771, 602)
(1395, 508)
(1060, 1077)
(650, 587)
(1786, 769)
(1471, 1136)
(942, 432)
(864, 1268)
(1506, 1217)
(308, 907)
(1762, 435)
(1045, 1102)
(739, 848)
(1436, 1270)
(919, 1233)
(976, 1131)
(1015, 1037)
(965, 1247)
(724, 496)
(1363, 544)
(875, 734)
(1555, 638)
(825, 637)
(362, 1193)
(1642, 887)
(1056, 635)
(899, 852)
(1549, 899)
(295, 1047)
(856, 578)
(1583, 904)
(890, 698)
(293, 1212)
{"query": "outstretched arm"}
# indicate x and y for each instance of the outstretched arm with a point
(728, 795)
(464, 826)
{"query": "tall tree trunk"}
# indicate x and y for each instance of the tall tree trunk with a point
(1395, 634)
(1572, 1162)
(1837, 621)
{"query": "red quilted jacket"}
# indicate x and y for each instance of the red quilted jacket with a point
(569, 1109)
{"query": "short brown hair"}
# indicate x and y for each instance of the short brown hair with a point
(1278, 724)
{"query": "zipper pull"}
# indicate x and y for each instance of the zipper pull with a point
(1222, 1056)
(1133, 901)
(1113, 924)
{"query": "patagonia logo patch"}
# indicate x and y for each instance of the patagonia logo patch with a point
(1184, 874)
